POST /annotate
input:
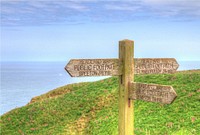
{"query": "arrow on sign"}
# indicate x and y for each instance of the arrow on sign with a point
(93, 67)
(155, 65)
(152, 92)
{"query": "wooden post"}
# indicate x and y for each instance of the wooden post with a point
(126, 115)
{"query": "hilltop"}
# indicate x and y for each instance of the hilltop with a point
(91, 108)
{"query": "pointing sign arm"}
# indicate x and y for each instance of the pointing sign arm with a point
(152, 92)
(93, 67)
(155, 65)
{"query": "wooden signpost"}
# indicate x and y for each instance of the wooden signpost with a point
(125, 67)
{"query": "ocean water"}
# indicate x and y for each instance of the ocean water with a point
(20, 81)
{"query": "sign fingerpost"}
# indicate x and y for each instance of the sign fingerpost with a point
(125, 67)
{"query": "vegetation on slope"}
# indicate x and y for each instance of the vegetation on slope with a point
(92, 109)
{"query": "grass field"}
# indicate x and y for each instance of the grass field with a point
(92, 109)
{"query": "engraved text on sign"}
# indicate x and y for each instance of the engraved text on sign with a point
(155, 65)
(93, 67)
(152, 92)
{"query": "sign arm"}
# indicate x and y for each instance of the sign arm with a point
(152, 92)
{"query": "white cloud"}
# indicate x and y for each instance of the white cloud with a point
(174, 7)
(26, 12)
(169, 2)
(23, 12)
(122, 7)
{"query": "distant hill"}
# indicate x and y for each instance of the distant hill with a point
(91, 108)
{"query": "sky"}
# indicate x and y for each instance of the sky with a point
(49, 30)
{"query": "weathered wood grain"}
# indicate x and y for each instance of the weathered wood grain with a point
(155, 65)
(113, 67)
(152, 92)
(126, 115)
(93, 67)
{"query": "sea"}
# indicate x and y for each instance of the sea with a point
(21, 81)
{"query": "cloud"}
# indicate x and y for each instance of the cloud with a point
(178, 8)
(24, 12)
(39, 12)
(122, 6)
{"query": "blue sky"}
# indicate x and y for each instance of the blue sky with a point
(61, 30)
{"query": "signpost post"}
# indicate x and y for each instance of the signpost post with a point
(125, 67)
(126, 115)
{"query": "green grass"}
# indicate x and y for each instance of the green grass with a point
(92, 109)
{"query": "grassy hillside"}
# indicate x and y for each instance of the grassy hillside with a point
(92, 109)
